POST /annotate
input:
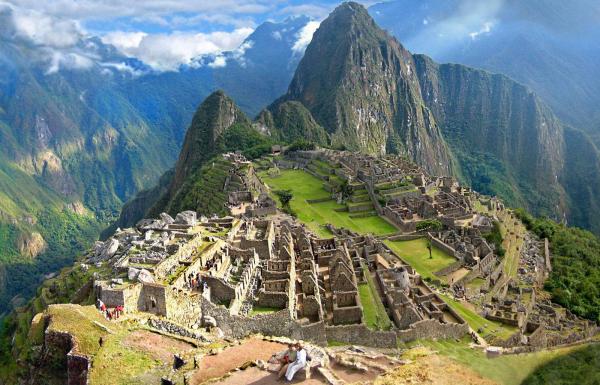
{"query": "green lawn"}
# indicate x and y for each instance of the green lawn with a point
(506, 369)
(374, 312)
(305, 186)
(416, 254)
(476, 322)
(262, 310)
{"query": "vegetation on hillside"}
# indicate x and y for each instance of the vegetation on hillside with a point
(495, 237)
(66, 235)
(244, 138)
(575, 278)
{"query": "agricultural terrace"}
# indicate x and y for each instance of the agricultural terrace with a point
(416, 254)
(305, 187)
(507, 369)
(374, 312)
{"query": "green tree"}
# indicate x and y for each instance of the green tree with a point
(285, 196)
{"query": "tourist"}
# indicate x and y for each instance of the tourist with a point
(288, 356)
(297, 364)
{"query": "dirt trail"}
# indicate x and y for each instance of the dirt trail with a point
(255, 376)
(234, 357)
(159, 347)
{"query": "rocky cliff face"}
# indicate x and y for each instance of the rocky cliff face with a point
(500, 132)
(360, 84)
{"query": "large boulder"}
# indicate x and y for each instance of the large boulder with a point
(144, 276)
(106, 250)
(186, 218)
(132, 273)
(166, 218)
(150, 224)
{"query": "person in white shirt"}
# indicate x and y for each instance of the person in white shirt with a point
(298, 364)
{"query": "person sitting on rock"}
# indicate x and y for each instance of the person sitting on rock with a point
(288, 356)
(297, 364)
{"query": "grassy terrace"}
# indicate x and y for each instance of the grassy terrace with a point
(256, 310)
(416, 254)
(491, 329)
(510, 369)
(305, 186)
(374, 312)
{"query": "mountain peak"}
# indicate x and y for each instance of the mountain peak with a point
(215, 114)
(360, 85)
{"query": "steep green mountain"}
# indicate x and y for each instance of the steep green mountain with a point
(505, 139)
(216, 114)
(196, 182)
(360, 85)
(551, 46)
(372, 95)
(291, 121)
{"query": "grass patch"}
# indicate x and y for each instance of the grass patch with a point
(415, 253)
(490, 328)
(82, 322)
(374, 312)
(333, 343)
(305, 186)
(506, 369)
(262, 310)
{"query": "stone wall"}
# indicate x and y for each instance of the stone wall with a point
(278, 324)
(278, 300)
(361, 335)
(406, 237)
(219, 290)
(432, 329)
(261, 211)
(166, 326)
(184, 308)
(449, 269)
(442, 246)
(153, 299)
(61, 347)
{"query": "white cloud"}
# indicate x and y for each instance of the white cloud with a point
(166, 52)
(305, 36)
(219, 62)
(124, 40)
(68, 60)
(313, 10)
(43, 29)
(486, 28)
(111, 9)
(122, 67)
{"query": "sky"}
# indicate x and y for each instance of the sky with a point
(162, 33)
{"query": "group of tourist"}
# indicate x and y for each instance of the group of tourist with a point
(196, 282)
(292, 361)
(109, 314)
